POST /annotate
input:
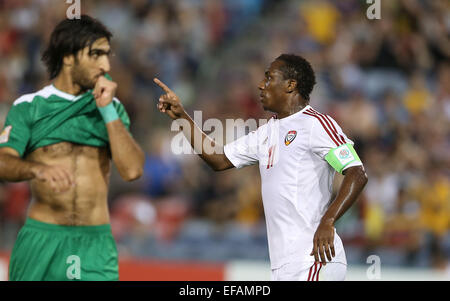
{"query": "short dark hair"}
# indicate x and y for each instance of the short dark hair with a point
(297, 68)
(69, 37)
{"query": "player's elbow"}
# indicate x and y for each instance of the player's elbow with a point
(217, 162)
(221, 165)
(217, 167)
(363, 178)
(358, 174)
(132, 174)
(134, 169)
(366, 178)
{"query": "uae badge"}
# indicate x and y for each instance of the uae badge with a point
(290, 136)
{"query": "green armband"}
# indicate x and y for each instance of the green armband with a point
(342, 156)
(108, 113)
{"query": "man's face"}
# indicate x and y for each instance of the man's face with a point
(272, 87)
(91, 63)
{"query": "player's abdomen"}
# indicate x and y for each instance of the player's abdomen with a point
(83, 204)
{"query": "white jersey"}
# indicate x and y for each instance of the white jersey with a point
(296, 180)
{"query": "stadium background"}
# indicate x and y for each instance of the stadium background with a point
(387, 82)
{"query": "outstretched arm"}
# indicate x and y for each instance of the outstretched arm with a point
(170, 104)
(355, 179)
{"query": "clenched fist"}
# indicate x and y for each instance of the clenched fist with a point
(104, 91)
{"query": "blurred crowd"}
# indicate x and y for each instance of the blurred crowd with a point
(386, 82)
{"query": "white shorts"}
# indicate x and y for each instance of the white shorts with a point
(332, 271)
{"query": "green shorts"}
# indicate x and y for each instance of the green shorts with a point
(49, 252)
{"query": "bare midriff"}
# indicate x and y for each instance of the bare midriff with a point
(83, 204)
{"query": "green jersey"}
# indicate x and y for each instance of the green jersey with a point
(50, 116)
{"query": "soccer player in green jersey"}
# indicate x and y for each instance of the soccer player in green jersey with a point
(62, 139)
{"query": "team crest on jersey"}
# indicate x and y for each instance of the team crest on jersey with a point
(290, 136)
(4, 136)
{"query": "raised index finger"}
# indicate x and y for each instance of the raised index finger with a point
(162, 85)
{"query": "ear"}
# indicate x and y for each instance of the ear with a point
(291, 85)
(69, 60)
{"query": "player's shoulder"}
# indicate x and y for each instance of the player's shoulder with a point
(311, 113)
(315, 117)
(118, 105)
(45, 92)
(308, 117)
(116, 100)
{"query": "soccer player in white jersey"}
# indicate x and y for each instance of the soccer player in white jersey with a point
(298, 153)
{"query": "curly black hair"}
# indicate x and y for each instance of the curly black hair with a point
(297, 68)
(70, 36)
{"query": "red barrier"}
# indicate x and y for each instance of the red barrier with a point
(169, 271)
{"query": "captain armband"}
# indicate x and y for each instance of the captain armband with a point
(342, 156)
